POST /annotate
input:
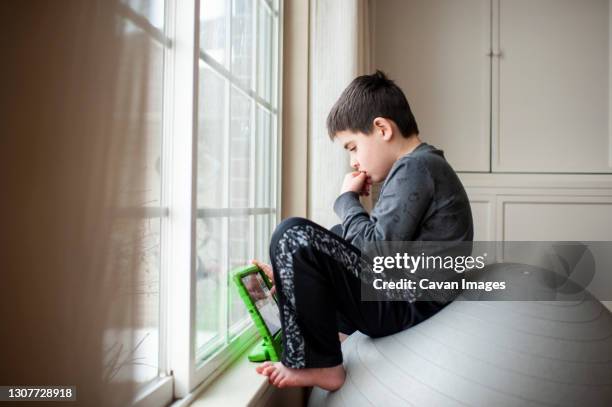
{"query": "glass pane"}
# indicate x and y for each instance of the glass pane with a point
(152, 10)
(210, 281)
(146, 335)
(241, 251)
(241, 176)
(214, 29)
(132, 353)
(242, 42)
(140, 80)
(263, 167)
(236, 164)
(153, 125)
(265, 71)
(273, 159)
(212, 124)
(262, 237)
(131, 349)
(212, 192)
(275, 56)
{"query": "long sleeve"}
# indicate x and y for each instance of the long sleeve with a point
(404, 200)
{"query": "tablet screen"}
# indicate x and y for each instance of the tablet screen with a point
(263, 300)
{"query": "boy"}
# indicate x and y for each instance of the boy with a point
(316, 270)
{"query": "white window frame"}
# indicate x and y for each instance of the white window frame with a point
(159, 391)
(180, 375)
(179, 194)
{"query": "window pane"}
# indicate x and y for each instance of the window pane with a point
(262, 236)
(210, 282)
(274, 156)
(131, 350)
(212, 135)
(236, 162)
(265, 71)
(241, 176)
(241, 188)
(263, 172)
(152, 10)
(242, 42)
(275, 56)
(240, 240)
(214, 29)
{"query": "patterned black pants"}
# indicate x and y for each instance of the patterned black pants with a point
(318, 281)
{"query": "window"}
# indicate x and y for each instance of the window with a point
(236, 177)
(209, 203)
(132, 353)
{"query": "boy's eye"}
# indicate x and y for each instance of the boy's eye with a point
(353, 149)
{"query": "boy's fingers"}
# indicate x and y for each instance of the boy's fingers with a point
(265, 267)
(259, 264)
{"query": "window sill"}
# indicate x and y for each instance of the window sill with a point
(156, 393)
(238, 385)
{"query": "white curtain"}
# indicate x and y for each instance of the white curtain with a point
(74, 138)
(340, 51)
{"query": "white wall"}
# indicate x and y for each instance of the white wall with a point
(337, 46)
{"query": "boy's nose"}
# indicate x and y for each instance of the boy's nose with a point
(355, 165)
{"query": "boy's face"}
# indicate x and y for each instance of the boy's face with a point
(371, 153)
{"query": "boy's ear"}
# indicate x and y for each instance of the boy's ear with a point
(383, 127)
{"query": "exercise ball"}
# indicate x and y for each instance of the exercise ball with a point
(485, 353)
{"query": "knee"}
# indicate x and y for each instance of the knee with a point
(292, 221)
(288, 223)
(337, 229)
(282, 228)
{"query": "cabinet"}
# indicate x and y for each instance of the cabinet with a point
(551, 86)
(504, 85)
(540, 207)
(543, 217)
(436, 50)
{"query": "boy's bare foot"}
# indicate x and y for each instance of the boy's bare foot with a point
(328, 378)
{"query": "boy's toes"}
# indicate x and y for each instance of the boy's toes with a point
(273, 376)
(259, 369)
(269, 370)
(277, 379)
(281, 383)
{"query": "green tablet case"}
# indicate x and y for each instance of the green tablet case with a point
(269, 347)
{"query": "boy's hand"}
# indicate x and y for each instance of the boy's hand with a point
(357, 181)
(267, 269)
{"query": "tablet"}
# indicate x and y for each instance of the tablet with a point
(254, 289)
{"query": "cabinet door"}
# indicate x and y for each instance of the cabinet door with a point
(554, 218)
(551, 86)
(436, 50)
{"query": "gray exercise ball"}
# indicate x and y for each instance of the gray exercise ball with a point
(485, 353)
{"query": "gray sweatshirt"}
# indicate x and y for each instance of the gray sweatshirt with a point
(422, 199)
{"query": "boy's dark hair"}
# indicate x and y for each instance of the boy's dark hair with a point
(369, 97)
